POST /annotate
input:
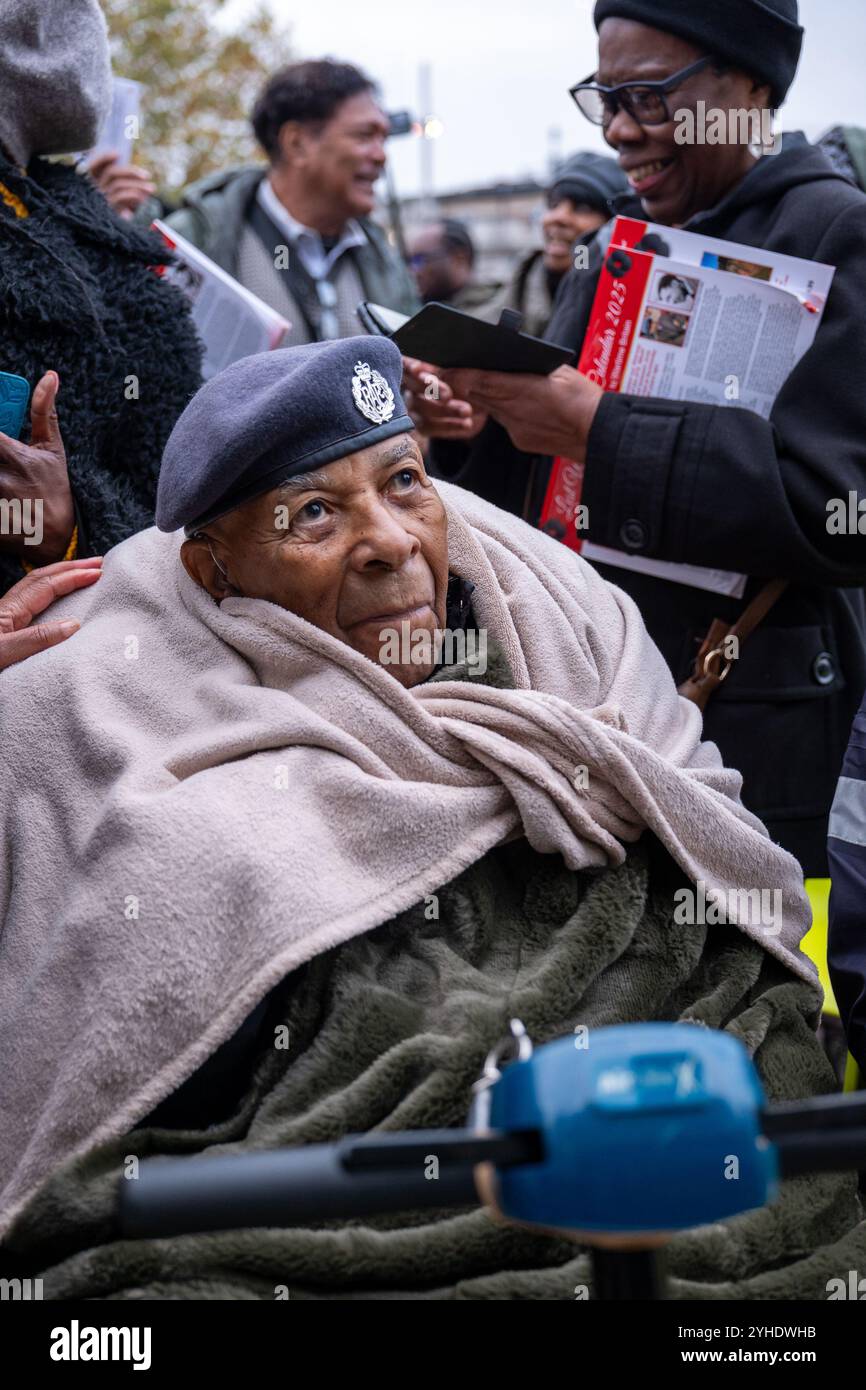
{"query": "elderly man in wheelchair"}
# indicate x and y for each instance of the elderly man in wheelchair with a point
(342, 771)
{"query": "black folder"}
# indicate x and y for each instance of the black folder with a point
(446, 337)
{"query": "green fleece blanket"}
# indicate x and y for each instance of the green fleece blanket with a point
(389, 1031)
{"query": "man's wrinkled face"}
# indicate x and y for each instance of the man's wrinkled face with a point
(673, 181)
(359, 549)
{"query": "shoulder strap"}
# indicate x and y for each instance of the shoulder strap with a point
(713, 662)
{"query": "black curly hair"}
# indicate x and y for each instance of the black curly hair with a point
(309, 92)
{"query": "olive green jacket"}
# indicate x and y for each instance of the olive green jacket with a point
(214, 210)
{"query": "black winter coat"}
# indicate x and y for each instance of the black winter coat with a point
(722, 487)
(77, 295)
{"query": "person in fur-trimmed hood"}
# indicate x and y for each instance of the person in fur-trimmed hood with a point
(109, 351)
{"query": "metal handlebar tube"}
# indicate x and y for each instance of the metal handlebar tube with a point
(358, 1176)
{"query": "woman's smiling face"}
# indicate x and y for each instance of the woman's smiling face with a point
(357, 548)
(562, 225)
(673, 181)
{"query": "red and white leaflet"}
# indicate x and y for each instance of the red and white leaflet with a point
(711, 322)
(810, 281)
(606, 347)
(232, 322)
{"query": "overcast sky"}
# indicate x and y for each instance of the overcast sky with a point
(501, 70)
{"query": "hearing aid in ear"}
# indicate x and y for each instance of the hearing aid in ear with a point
(216, 562)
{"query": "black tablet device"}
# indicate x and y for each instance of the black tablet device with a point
(447, 337)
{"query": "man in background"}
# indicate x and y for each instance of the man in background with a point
(441, 257)
(298, 233)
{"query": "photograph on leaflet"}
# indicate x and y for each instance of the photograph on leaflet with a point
(675, 291)
(663, 326)
(737, 267)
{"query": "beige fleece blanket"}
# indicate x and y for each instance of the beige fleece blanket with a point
(197, 799)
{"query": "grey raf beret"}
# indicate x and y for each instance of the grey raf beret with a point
(270, 417)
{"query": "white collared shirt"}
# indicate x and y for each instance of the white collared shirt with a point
(306, 241)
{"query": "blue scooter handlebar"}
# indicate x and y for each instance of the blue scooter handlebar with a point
(646, 1128)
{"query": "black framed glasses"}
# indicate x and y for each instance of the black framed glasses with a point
(645, 102)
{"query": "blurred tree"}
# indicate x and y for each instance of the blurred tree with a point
(200, 82)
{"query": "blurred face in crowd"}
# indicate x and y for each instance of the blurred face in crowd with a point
(439, 272)
(673, 181)
(561, 226)
(339, 161)
(357, 548)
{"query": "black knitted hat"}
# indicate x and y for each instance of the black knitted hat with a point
(589, 178)
(763, 37)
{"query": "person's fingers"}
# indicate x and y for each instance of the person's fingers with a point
(434, 423)
(415, 366)
(99, 165)
(434, 389)
(428, 386)
(59, 566)
(125, 189)
(424, 379)
(47, 588)
(44, 425)
(437, 400)
(133, 172)
(118, 186)
(444, 411)
(492, 386)
(133, 199)
(16, 646)
(36, 591)
(461, 380)
(460, 428)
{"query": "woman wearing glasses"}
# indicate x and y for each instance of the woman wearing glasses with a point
(702, 484)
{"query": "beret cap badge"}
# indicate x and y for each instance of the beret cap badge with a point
(372, 394)
(273, 416)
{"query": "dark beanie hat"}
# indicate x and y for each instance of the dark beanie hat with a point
(763, 37)
(589, 178)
